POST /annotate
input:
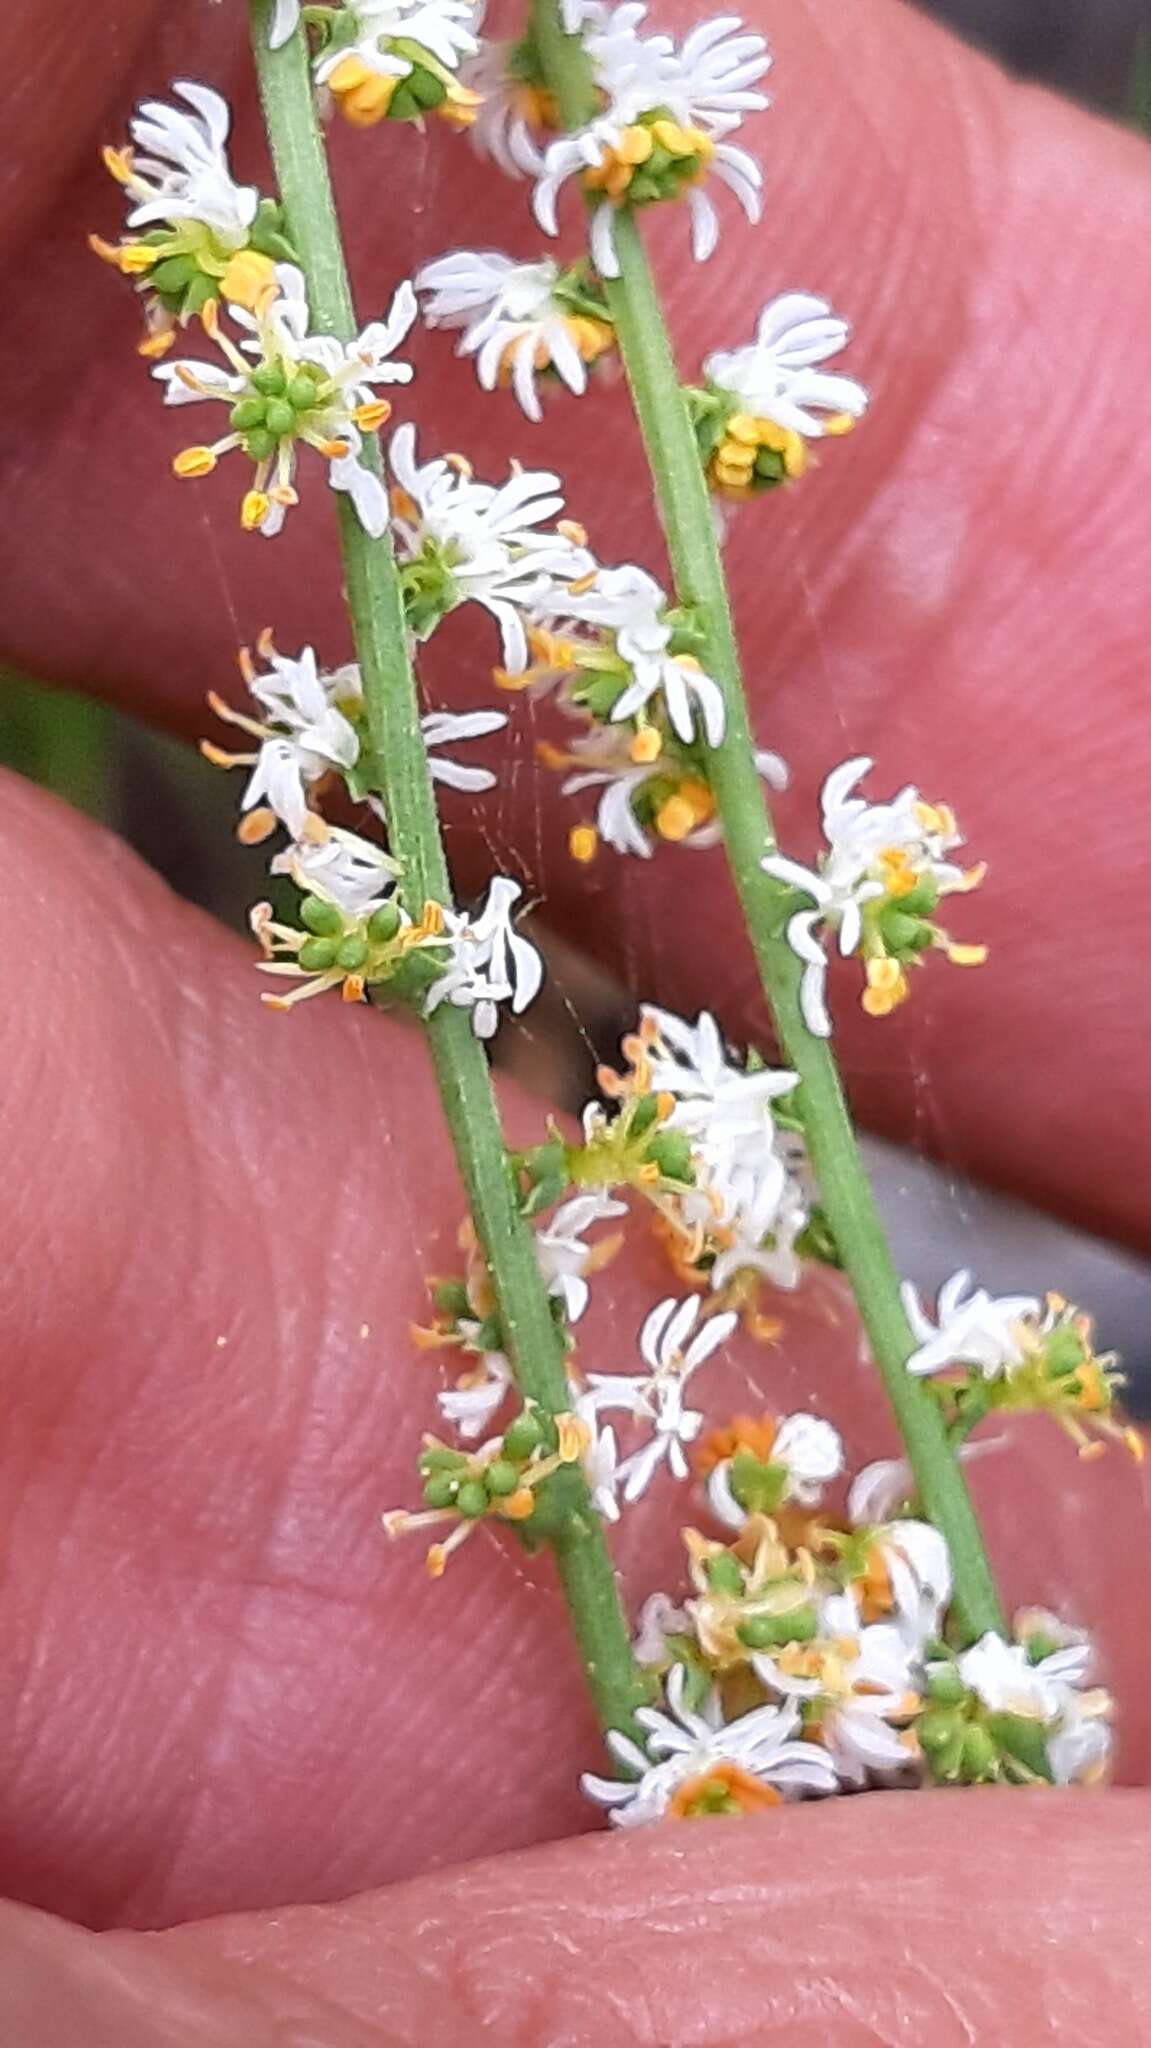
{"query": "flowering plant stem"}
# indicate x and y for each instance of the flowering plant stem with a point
(845, 1190)
(373, 593)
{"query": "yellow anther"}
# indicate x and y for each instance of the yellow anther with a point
(194, 462)
(1092, 1450)
(634, 146)
(573, 531)
(372, 415)
(255, 826)
(1135, 1445)
(966, 956)
(839, 424)
(436, 1561)
(795, 455)
(517, 1506)
(551, 757)
(353, 989)
(699, 799)
(433, 918)
(247, 278)
(742, 427)
(156, 344)
(364, 96)
(675, 818)
(119, 163)
(572, 1438)
(649, 1174)
(886, 987)
(460, 106)
(136, 258)
(591, 337)
(583, 843)
(583, 583)
(254, 509)
(333, 451)
(504, 681)
(646, 746)
(404, 506)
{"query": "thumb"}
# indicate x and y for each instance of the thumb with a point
(955, 1918)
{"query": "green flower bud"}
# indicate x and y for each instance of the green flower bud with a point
(671, 1152)
(384, 923)
(523, 1436)
(260, 444)
(317, 955)
(441, 1458)
(980, 1759)
(501, 1477)
(280, 418)
(302, 391)
(269, 378)
(1063, 1353)
(725, 1574)
(451, 1297)
(171, 274)
(426, 89)
(903, 933)
(321, 917)
(248, 413)
(440, 1490)
(490, 1335)
(941, 1731)
(946, 1686)
(1022, 1739)
(757, 1485)
(472, 1500)
(644, 1114)
(352, 953)
(921, 900)
(772, 1631)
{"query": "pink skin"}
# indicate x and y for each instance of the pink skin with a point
(222, 1691)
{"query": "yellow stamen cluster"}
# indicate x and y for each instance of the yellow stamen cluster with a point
(591, 338)
(364, 97)
(614, 175)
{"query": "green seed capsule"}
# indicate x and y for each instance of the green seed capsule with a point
(260, 445)
(426, 89)
(671, 1152)
(269, 378)
(472, 1500)
(441, 1458)
(317, 955)
(302, 391)
(440, 1490)
(644, 1114)
(173, 274)
(247, 414)
(523, 1436)
(946, 1686)
(320, 917)
(351, 953)
(979, 1757)
(384, 923)
(939, 1730)
(724, 1574)
(501, 1476)
(767, 1631)
(280, 418)
(450, 1297)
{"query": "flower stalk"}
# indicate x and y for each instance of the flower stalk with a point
(399, 768)
(845, 1190)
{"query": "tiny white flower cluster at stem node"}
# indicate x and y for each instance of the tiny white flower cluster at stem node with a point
(877, 887)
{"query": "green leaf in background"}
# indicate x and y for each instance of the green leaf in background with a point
(58, 739)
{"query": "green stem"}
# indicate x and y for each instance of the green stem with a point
(461, 1067)
(685, 513)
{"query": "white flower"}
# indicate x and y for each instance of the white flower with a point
(672, 1348)
(1002, 1675)
(384, 30)
(510, 107)
(857, 1682)
(600, 1459)
(284, 23)
(346, 870)
(629, 604)
(982, 1330)
(563, 1256)
(776, 378)
(917, 1562)
(477, 1396)
(659, 1618)
(483, 539)
(695, 1751)
(444, 729)
(513, 322)
(324, 394)
(679, 103)
(184, 174)
(304, 736)
(809, 1451)
(1079, 1748)
(603, 761)
(873, 850)
(489, 962)
(748, 1194)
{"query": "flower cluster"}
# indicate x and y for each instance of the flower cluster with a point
(1015, 1354)
(520, 320)
(393, 60)
(664, 117)
(760, 406)
(286, 387)
(193, 235)
(877, 887)
(809, 1656)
